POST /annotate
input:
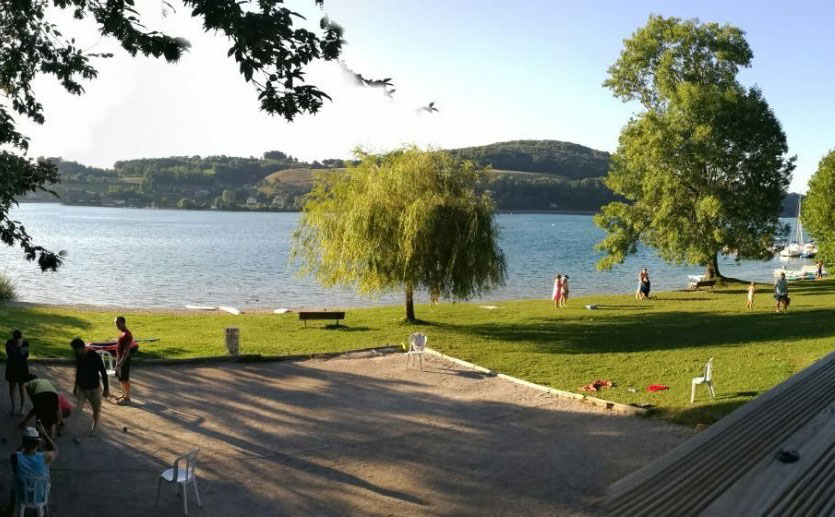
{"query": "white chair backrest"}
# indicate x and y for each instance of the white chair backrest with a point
(417, 342)
(30, 491)
(187, 462)
(107, 358)
(709, 370)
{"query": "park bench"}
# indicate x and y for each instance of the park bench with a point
(695, 286)
(773, 456)
(321, 315)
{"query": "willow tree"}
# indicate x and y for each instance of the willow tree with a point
(704, 165)
(818, 214)
(408, 220)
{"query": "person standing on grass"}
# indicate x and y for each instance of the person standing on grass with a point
(781, 293)
(556, 294)
(89, 370)
(17, 368)
(751, 290)
(819, 270)
(564, 298)
(643, 285)
(123, 359)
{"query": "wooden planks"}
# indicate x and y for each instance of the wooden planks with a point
(732, 467)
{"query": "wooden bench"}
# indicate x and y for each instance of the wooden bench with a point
(694, 286)
(321, 315)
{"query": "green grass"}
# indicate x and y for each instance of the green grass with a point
(665, 340)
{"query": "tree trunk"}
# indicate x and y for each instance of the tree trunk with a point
(712, 268)
(410, 305)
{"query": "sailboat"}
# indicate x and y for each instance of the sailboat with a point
(798, 247)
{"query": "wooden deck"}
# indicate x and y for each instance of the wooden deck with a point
(743, 465)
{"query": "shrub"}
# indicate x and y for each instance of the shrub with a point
(7, 290)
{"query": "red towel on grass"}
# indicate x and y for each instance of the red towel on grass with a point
(657, 387)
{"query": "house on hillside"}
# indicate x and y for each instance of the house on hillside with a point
(251, 202)
(280, 201)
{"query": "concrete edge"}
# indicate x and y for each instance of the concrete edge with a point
(606, 404)
(244, 358)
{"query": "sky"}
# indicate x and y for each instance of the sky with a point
(497, 70)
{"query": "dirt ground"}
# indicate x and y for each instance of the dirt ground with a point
(344, 436)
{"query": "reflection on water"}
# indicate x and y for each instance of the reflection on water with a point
(167, 258)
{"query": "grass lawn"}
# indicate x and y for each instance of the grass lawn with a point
(634, 343)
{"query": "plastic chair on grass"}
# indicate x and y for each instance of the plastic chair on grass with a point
(417, 347)
(31, 493)
(107, 359)
(182, 472)
(706, 379)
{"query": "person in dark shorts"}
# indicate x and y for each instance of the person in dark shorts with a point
(17, 368)
(90, 375)
(123, 356)
(44, 399)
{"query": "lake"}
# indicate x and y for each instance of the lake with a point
(168, 258)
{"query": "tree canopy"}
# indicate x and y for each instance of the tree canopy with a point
(704, 166)
(271, 51)
(410, 220)
(818, 213)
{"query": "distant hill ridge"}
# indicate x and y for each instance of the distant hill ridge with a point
(554, 157)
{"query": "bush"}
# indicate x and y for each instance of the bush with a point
(7, 290)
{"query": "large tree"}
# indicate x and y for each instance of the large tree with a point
(704, 165)
(818, 213)
(409, 220)
(271, 51)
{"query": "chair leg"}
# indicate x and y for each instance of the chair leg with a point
(185, 499)
(693, 392)
(196, 491)
(159, 485)
(421, 362)
(710, 389)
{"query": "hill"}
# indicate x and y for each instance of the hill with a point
(550, 157)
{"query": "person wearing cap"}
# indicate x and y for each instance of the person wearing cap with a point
(44, 399)
(123, 359)
(29, 462)
(89, 369)
(564, 298)
(17, 367)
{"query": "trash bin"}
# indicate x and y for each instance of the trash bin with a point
(233, 340)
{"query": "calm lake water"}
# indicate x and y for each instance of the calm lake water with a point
(168, 258)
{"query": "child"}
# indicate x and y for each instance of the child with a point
(556, 294)
(751, 290)
(564, 298)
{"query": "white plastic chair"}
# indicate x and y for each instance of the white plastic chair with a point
(417, 347)
(107, 359)
(182, 472)
(706, 379)
(31, 493)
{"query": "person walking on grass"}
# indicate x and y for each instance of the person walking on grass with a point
(781, 293)
(17, 368)
(90, 376)
(123, 361)
(751, 290)
(564, 298)
(556, 294)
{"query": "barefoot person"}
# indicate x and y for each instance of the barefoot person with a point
(90, 375)
(556, 294)
(123, 359)
(751, 290)
(17, 368)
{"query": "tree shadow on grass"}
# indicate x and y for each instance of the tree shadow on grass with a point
(652, 331)
(706, 414)
(48, 334)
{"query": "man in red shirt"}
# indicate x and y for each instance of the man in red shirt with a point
(123, 359)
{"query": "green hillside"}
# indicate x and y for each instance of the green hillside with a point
(550, 157)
